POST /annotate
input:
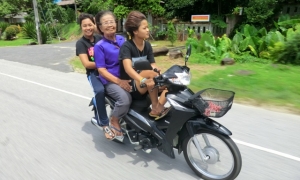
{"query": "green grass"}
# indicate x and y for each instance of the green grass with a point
(71, 31)
(16, 42)
(258, 84)
(77, 65)
(159, 43)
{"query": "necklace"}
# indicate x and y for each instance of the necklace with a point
(137, 49)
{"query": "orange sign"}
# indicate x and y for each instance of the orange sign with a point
(200, 18)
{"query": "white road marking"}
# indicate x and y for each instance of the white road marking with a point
(88, 98)
(43, 85)
(267, 150)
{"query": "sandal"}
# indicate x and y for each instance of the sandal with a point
(119, 138)
(108, 131)
(162, 114)
(105, 129)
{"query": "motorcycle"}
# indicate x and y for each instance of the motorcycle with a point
(188, 127)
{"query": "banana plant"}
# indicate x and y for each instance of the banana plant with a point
(220, 49)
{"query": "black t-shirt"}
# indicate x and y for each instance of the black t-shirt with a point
(84, 46)
(129, 51)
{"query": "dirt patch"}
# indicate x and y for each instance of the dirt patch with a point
(283, 109)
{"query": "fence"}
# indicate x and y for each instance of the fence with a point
(198, 29)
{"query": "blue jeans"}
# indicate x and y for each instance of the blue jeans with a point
(99, 99)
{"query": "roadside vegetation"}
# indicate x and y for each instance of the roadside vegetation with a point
(262, 52)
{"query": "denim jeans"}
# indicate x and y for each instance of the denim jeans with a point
(99, 99)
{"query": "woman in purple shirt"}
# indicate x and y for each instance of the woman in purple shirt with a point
(107, 62)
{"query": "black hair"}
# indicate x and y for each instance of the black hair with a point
(84, 16)
(99, 15)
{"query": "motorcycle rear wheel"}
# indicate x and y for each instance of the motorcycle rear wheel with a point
(222, 161)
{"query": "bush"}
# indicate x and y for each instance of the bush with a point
(10, 32)
(45, 34)
(28, 30)
(289, 53)
(172, 35)
(70, 15)
(161, 35)
(17, 29)
(3, 25)
(247, 58)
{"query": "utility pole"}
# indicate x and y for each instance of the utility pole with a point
(37, 22)
(75, 10)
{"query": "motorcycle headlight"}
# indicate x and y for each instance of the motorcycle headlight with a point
(183, 78)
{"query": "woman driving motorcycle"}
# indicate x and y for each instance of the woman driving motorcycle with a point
(137, 49)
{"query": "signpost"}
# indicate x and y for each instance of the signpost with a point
(200, 18)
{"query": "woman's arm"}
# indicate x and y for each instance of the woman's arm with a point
(107, 75)
(85, 61)
(130, 71)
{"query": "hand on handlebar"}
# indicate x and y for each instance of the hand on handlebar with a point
(148, 83)
(157, 70)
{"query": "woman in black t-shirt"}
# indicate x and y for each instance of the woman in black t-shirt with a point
(85, 51)
(137, 49)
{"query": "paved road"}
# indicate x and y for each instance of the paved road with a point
(53, 56)
(45, 131)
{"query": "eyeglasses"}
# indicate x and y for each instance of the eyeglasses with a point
(107, 23)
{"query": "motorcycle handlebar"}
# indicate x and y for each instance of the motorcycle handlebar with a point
(157, 81)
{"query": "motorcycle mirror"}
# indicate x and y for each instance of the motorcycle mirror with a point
(189, 50)
(188, 53)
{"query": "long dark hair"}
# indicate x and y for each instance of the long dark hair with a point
(133, 21)
(99, 15)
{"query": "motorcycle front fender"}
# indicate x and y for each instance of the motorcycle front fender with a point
(193, 126)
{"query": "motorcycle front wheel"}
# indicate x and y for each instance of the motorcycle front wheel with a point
(212, 156)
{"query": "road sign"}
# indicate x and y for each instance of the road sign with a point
(200, 18)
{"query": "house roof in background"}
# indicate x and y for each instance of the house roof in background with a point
(65, 2)
(19, 15)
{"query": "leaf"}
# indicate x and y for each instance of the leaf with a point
(253, 50)
(245, 43)
(237, 38)
(263, 32)
(290, 34)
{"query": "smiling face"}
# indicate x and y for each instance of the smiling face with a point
(108, 25)
(143, 30)
(87, 27)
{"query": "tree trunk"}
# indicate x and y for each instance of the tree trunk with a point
(160, 51)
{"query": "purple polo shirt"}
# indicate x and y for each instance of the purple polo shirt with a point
(106, 54)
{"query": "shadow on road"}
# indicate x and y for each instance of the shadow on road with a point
(114, 149)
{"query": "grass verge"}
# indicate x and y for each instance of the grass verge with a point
(16, 42)
(270, 86)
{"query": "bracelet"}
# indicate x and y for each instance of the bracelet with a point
(143, 80)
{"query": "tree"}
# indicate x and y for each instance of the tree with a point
(258, 11)
(94, 6)
(145, 6)
(14, 7)
(185, 8)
